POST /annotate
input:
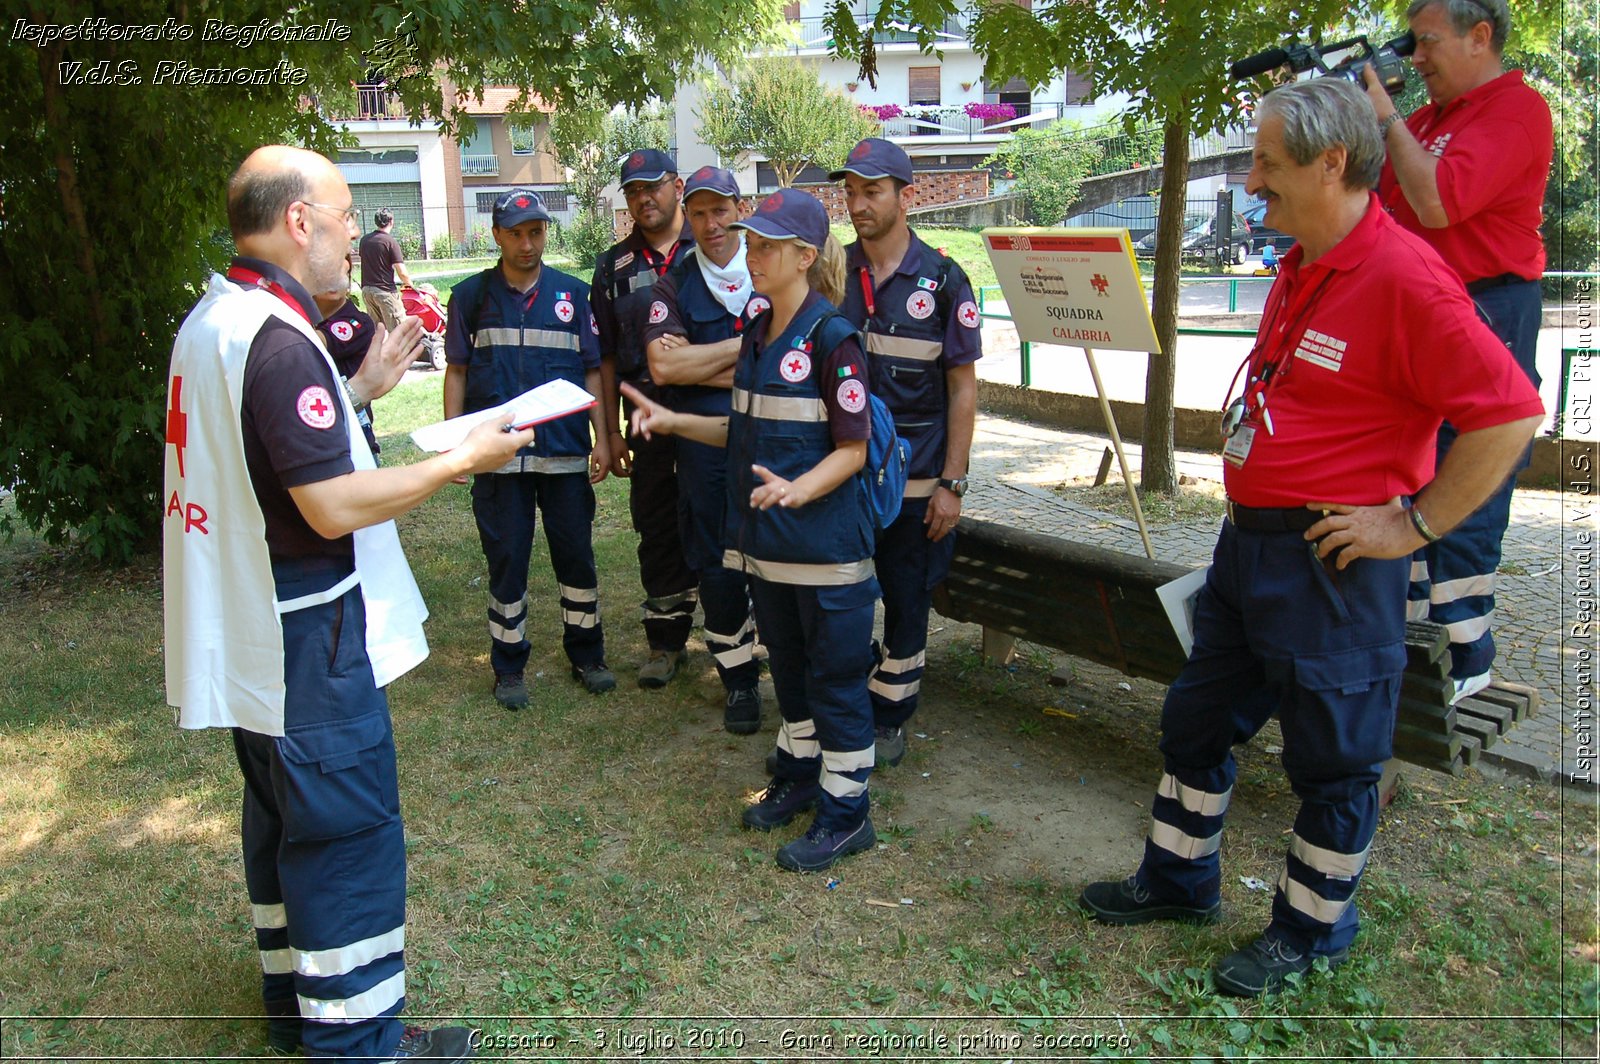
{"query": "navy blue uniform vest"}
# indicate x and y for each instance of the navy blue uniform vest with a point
(705, 321)
(629, 287)
(784, 427)
(903, 354)
(517, 345)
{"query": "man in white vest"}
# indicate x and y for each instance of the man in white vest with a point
(289, 607)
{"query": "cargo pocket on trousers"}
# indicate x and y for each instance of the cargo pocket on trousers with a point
(1349, 672)
(338, 778)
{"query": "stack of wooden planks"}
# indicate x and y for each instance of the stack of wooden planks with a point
(1429, 730)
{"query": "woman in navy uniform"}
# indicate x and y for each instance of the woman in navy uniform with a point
(798, 524)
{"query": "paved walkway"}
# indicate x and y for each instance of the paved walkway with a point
(1015, 465)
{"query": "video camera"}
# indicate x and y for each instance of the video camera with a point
(1348, 57)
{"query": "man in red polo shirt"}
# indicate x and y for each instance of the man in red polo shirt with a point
(1366, 343)
(1466, 173)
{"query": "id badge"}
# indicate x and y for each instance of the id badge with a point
(1237, 449)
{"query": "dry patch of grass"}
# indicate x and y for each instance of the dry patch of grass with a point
(580, 864)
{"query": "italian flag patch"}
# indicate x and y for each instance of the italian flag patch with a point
(848, 371)
(927, 282)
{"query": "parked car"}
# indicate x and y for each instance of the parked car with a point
(1262, 234)
(1199, 241)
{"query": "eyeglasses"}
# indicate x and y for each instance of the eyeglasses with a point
(638, 188)
(351, 214)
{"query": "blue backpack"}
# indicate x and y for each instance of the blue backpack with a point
(883, 475)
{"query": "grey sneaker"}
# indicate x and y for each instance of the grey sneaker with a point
(820, 848)
(742, 714)
(1124, 901)
(1263, 965)
(661, 668)
(440, 1044)
(890, 745)
(595, 677)
(510, 690)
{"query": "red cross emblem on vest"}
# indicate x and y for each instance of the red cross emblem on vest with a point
(177, 422)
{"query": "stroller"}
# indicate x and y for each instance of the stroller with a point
(423, 302)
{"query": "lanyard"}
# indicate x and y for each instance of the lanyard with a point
(245, 275)
(661, 263)
(1268, 371)
(867, 292)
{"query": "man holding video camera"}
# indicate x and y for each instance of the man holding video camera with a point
(1467, 172)
(1367, 341)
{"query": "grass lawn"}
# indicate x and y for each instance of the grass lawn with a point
(579, 884)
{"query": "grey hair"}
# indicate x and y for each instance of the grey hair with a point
(1321, 113)
(1465, 14)
(258, 197)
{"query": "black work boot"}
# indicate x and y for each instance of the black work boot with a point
(1124, 901)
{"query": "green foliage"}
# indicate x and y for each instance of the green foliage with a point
(114, 194)
(1049, 165)
(585, 239)
(409, 238)
(778, 108)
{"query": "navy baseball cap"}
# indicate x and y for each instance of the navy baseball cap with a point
(711, 179)
(518, 206)
(789, 214)
(647, 164)
(874, 158)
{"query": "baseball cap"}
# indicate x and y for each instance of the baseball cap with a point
(518, 206)
(789, 214)
(874, 158)
(711, 179)
(647, 164)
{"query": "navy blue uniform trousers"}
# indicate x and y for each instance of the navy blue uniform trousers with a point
(324, 851)
(669, 584)
(1274, 631)
(819, 650)
(908, 566)
(729, 631)
(504, 505)
(1453, 580)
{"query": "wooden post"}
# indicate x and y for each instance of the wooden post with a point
(1122, 458)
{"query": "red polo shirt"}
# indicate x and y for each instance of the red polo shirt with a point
(1493, 144)
(1373, 345)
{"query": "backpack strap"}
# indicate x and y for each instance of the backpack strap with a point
(830, 330)
(475, 311)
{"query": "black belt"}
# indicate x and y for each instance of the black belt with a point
(1483, 284)
(1272, 518)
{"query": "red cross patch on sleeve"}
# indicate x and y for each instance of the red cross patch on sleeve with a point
(315, 407)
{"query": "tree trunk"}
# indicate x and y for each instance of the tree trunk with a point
(1159, 471)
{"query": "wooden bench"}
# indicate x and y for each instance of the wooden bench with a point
(1101, 605)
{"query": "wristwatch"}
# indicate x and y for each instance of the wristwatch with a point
(1387, 123)
(956, 487)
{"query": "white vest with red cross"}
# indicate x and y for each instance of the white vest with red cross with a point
(224, 639)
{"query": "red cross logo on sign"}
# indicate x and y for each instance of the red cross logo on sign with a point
(851, 396)
(918, 305)
(1100, 284)
(795, 367)
(968, 314)
(315, 407)
(177, 422)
